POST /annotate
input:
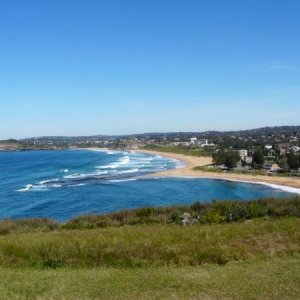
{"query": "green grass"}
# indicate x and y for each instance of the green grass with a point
(153, 245)
(203, 213)
(268, 279)
(260, 172)
(243, 171)
(147, 254)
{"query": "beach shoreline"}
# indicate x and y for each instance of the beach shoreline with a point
(187, 163)
(286, 183)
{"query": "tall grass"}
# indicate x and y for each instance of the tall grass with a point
(153, 245)
(203, 213)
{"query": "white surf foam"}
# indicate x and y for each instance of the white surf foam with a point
(128, 163)
(275, 186)
(79, 184)
(111, 152)
(26, 188)
(123, 180)
(49, 180)
(129, 171)
(122, 161)
(56, 185)
(31, 187)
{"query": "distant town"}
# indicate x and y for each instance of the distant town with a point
(268, 150)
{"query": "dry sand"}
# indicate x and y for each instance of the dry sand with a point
(193, 161)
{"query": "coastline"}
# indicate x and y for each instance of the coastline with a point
(286, 183)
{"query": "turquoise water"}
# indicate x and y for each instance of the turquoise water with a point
(64, 184)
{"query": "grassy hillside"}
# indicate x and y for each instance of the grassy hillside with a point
(261, 279)
(247, 252)
(152, 245)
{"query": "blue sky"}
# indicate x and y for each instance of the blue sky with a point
(70, 67)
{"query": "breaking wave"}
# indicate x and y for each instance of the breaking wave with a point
(116, 167)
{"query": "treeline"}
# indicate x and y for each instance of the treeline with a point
(230, 158)
(227, 158)
(197, 213)
(292, 161)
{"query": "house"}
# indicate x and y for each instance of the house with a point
(184, 144)
(270, 151)
(209, 145)
(275, 168)
(202, 142)
(243, 153)
(295, 148)
(193, 140)
(284, 148)
(175, 144)
(249, 160)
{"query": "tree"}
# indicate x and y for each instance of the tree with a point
(231, 159)
(292, 160)
(228, 158)
(258, 158)
(283, 164)
(218, 157)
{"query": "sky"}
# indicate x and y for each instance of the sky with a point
(85, 67)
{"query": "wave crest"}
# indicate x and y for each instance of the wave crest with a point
(130, 166)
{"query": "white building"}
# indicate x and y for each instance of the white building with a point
(202, 142)
(193, 140)
(243, 153)
(295, 148)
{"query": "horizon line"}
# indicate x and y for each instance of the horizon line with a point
(145, 133)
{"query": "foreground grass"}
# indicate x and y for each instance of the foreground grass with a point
(269, 279)
(252, 259)
(153, 245)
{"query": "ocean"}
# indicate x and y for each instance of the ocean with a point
(66, 183)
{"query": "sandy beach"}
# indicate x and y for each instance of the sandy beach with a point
(193, 161)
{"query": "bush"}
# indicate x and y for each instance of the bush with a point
(215, 212)
(145, 212)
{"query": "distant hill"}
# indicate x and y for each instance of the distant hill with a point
(257, 131)
(237, 138)
(10, 145)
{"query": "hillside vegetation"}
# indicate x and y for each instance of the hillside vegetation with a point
(197, 213)
(232, 250)
(192, 151)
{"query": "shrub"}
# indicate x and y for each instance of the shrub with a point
(145, 212)
(175, 217)
(6, 226)
(215, 212)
